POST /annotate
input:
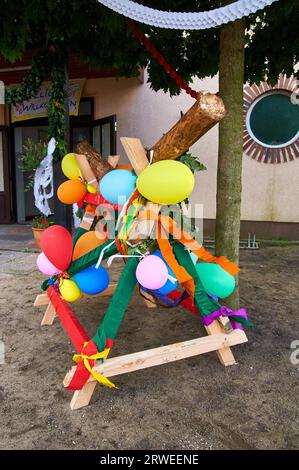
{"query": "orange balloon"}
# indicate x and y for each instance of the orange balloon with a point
(87, 242)
(124, 167)
(71, 191)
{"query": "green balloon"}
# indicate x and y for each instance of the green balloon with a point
(215, 280)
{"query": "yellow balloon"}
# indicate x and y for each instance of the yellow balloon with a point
(69, 290)
(70, 167)
(91, 189)
(166, 182)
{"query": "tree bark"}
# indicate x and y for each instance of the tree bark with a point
(97, 163)
(229, 175)
(202, 116)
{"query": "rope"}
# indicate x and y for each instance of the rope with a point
(162, 61)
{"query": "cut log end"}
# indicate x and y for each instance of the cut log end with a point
(201, 117)
(97, 163)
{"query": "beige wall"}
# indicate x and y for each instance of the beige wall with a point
(270, 192)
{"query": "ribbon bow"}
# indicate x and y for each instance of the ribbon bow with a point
(237, 318)
(98, 377)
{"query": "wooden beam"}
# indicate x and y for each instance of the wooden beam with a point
(87, 220)
(135, 153)
(49, 315)
(41, 299)
(201, 117)
(164, 354)
(86, 170)
(82, 397)
(113, 160)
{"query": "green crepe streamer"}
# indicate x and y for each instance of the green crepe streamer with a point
(118, 304)
(204, 304)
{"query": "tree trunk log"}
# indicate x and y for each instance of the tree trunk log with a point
(204, 114)
(229, 176)
(98, 164)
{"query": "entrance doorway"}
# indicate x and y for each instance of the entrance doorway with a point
(100, 133)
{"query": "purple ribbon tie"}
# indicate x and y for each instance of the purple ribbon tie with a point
(226, 312)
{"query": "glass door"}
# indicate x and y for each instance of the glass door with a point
(104, 135)
(101, 134)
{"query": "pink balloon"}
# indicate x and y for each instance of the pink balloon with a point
(152, 272)
(45, 266)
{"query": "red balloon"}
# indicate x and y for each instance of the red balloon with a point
(57, 244)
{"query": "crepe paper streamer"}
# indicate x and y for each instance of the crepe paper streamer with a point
(166, 300)
(203, 303)
(166, 66)
(186, 20)
(94, 357)
(112, 258)
(78, 234)
(118, 305)
(77, 335)
(170, 226)
(43, 181)
(172, 281)
(132, 210)
(237, 318)
(71, 324)
(99, 200)
(186, 303)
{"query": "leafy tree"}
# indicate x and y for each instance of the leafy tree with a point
(101, 38)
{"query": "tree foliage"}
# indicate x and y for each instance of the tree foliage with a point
(102, 39)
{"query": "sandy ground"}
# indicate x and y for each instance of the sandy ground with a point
(191, 404)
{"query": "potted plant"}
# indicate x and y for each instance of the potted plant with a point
(39, 225)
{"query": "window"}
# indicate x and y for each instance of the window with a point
(272, 120)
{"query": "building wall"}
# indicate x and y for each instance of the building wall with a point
(270, 191)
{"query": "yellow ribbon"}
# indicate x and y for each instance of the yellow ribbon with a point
(98, 377)
(124, 235)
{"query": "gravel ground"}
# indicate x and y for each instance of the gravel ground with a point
(191, 404)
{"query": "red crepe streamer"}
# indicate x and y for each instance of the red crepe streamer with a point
(162, 61)
(186, 303)
(77, 335)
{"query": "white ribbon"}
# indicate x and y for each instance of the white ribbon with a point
(188, 20)
(43, 179)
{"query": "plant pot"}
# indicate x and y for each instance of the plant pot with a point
(37, 233)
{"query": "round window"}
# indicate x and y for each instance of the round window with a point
(273, 120)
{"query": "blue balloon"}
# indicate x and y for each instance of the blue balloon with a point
(168, 286)
(92, 281)
(117, 186)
